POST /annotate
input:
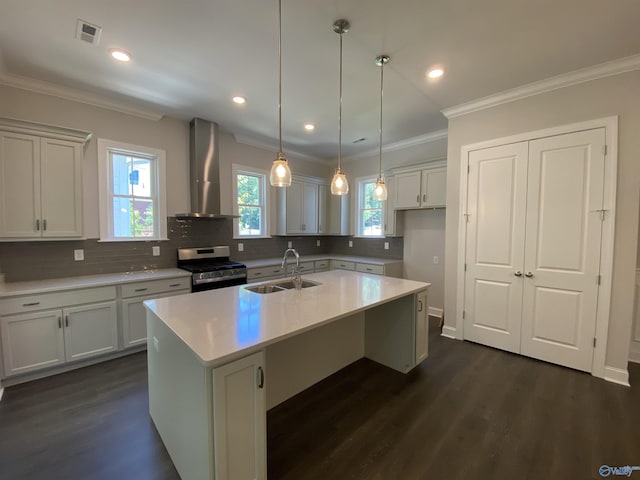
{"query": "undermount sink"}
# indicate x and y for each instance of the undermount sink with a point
(279, 286)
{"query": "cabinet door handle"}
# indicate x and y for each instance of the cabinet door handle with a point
(260, 377)
(140, 290)
(174, 285)
(66, 320)
(418, 198)
(518, 273)
(369, 269)
(257, 274)
(277, 271)
(424, 197)
(44, 225)
(528, 274)
(419, 305)
(32, 304)
(59, 322)
(38, 225)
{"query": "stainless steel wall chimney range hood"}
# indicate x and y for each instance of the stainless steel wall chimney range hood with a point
(204, 167)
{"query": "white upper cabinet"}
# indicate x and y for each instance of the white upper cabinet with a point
(421, 189)
(40, 181)
(308, 208)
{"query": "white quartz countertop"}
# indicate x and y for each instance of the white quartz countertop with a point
(11, 289)
(265, 262)
(221, 325)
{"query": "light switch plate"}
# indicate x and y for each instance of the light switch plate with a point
(386, 245)
(241, 247)
(436, 260)
(156, 251)
(289, 244)
(78, 255)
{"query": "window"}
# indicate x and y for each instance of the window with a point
(132, 198)
(250, 195)
(370, 211)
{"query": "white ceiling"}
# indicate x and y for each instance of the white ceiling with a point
(191, 56)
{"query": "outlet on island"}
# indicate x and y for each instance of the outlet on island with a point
(241, 247)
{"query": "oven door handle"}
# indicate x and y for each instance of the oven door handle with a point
(201, 281)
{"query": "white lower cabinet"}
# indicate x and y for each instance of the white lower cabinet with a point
(134, 316)
(43, 339)
(239, 413)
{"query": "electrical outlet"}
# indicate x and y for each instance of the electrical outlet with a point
(436, 260)
(318, 243)
(350, 243)
(156, 344)
(241, 247)
(155, 251)
(290, 244)
(386, 245)
(78, 255)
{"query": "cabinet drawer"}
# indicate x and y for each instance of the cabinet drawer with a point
(307, 267)
(151, 287)
(369, 268)
(44, 301)
(256, 274)
(341, 265)
(322, 265)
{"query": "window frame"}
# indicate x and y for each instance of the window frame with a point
(361, 182)
(265, 203)
(105, 190)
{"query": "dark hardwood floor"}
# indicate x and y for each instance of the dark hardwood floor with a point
(467, 412)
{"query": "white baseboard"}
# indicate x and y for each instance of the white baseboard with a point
(449, 332)
(634, 355)
(435, 312)
(617, 375)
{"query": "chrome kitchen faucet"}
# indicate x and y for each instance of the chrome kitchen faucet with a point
(297, 280)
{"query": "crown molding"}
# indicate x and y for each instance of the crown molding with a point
(96, 100)
(409, 142)
(602, 70)
(264, 145)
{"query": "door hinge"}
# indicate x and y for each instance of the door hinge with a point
(598, 279)
(604, 149)
(594, 342)
(463, 313)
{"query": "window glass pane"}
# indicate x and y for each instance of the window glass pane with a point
(140, 177)
(248, 190)
(142, 217)
(120, 169)
(121, 217)
(369, 201)
(249, 222)
(372, 222)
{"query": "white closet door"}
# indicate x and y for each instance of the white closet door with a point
(495, 245)
(562, 252)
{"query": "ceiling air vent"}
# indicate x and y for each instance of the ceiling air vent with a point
(88, 33)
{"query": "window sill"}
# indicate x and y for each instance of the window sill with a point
(106, 240)
(252, 237)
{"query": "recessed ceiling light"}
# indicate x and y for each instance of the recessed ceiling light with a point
(435, 72)
(120, 55)
(239, 100)
(309, 127)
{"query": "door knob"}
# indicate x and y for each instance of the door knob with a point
(528, 274)
(518, 273)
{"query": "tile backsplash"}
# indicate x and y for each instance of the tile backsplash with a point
(21, 261)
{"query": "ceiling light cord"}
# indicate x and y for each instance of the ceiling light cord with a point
(339, 183)
(380, 190)
(381, 90)
(340, 112)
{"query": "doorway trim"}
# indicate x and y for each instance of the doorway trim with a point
(610, 124)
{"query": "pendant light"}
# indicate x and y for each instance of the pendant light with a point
(380, 190)
(280, 175)
(339, 183)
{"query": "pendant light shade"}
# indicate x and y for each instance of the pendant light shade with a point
(280, 175)
(380, 190)
(339, 183)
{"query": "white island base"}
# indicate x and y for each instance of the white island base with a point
(219, 360)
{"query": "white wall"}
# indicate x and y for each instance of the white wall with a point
(617, 95)
(168, 134)
(425, 239)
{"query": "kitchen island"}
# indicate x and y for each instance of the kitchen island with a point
(218, 360)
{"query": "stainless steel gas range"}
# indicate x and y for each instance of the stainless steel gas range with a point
(211, 268)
